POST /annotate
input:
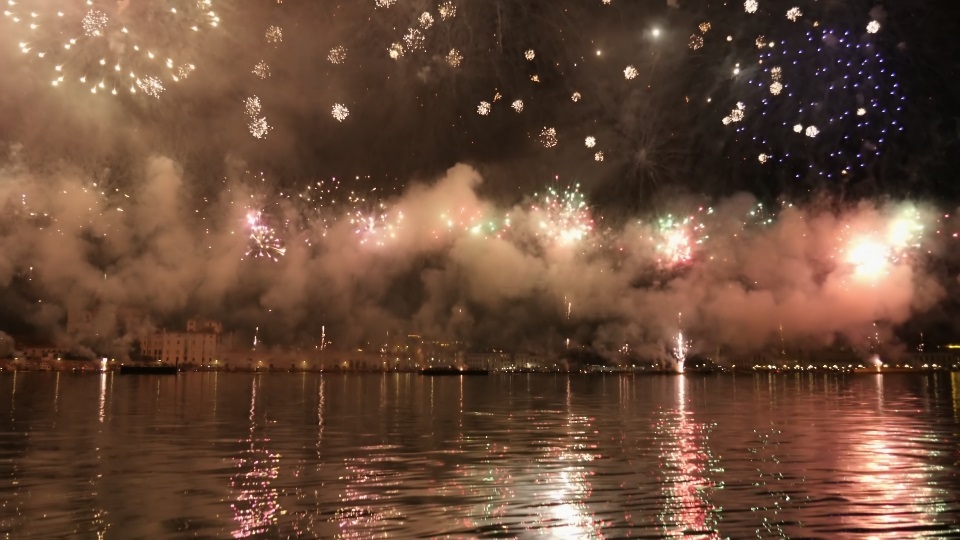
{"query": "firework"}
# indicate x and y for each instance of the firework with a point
(414, 39)
(529, 54)
(563, 216)
(483, 109)
(261, 69)
(395, 50)
(264, 241)
(548, 137)
(873, 27)
(274, 34)
(259, 127)
(630, 73)
(425, 20)
(598, 156)
(454, 58)
(736, 115)
(750, 6)
(447, 10)
(340, 112)
(372, 221)
(575, 97)
(337, 55)
(696, 41)
(517, 105)
(590, 141)
(794, 13)
(385, 3)
(122, 47)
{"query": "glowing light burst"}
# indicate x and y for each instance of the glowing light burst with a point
(598, 156)
(873, 27)
(517, 105)
(681, 348)
(337, 55)
(274, 34)
(483, 109)
(696, 41)
(794, 13)
(563, 216)
(630, 73)
(261, 69)
(548, 137)
(111, 47)
(837, 89)
(414, 39)
(372, 221)
(454, 58)
(736, 115)
(447, 10)
(529, 54)
(264, 242)
(873, 254)
(676, 239)
(385, 3)
(396, 51)
(870, 258)
(575, 97)
(590, 142)
(425, 20)
(340, 112)
(94, 23)
(750, 6)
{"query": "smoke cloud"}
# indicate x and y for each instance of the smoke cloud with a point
(429, 266)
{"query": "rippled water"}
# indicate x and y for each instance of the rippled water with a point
(521, 456)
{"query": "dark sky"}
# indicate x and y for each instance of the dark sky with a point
(646, 81)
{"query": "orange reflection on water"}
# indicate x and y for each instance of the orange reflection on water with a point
(257, 509)
(685, 460)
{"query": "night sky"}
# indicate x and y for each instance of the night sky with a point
(520, 174)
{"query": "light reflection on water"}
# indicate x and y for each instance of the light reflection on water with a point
(523, 456)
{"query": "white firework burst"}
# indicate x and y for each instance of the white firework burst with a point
(340, 112)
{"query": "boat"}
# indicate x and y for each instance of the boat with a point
(453, 371)
(146, 369)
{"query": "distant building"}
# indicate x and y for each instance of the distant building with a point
(199, 345)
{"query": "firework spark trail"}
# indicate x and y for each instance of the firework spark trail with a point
(114, 51)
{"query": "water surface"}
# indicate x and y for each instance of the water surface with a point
(505, 456)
